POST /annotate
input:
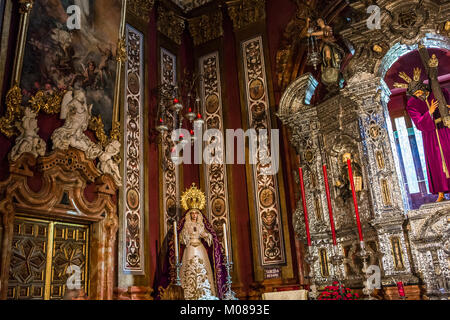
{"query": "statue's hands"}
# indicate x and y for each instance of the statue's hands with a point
(209, 239)
(434, 105)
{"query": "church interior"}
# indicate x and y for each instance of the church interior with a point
(225, 150)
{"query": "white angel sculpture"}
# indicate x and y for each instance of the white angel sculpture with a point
(107, 165)
(28, 141)
(77, 114)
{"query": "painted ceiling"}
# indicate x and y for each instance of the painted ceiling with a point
(188, 5)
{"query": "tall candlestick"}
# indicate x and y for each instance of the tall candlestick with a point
(330, 209)
(225, 241)
(355, 201)
(176, 241)
(305, 208)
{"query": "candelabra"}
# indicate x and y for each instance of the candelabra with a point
(310, 259)
(337, 260)
(229, 295)
(365, 256)
(176, 99)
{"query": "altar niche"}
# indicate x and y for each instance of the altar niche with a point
(59, 216)
(406, 138)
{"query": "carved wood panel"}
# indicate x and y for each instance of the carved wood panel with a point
(133, 219)
(28, 260)
(170, 171)
(42, 253)
(267, 205)
(215, 174)
(70, 248)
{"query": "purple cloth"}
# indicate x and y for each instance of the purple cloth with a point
(215, 254)
(418, 111)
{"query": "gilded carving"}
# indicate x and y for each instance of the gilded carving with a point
(206, 27)
(386, 193)
(48, 103)
(246, 12)
(170, 24)
(13, 111)
(121, 55)
(141, 8)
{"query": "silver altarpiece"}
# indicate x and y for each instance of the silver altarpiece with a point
(411, 246)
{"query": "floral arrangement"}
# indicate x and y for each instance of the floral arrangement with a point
(338, 292)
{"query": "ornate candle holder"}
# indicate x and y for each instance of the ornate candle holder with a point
(178, 279)
(365, 256)
(310, 260)
(337, 260)
(229, 295)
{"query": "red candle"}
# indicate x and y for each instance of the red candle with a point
(305, 209)
(355, 201)
(330, 209)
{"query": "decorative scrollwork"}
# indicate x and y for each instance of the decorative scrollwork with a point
(48, 103)
(13, 112)
(121, 55)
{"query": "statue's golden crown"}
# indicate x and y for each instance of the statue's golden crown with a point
(193, 198)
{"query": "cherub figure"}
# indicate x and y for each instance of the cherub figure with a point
(28, 141)
(108, 165)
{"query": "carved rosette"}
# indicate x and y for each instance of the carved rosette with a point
(170, 24)
(206, 27)
(215, 174)
(133, 178)
(267, 206)
(169, 170)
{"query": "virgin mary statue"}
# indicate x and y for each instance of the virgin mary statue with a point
(202, 274)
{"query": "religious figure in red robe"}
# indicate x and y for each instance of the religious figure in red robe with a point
(423, 109)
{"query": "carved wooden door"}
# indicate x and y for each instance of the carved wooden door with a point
(47, 258)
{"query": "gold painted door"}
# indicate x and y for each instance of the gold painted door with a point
(47, 258)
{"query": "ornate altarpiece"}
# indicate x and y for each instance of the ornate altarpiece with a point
(64, 177)
(354, 121)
